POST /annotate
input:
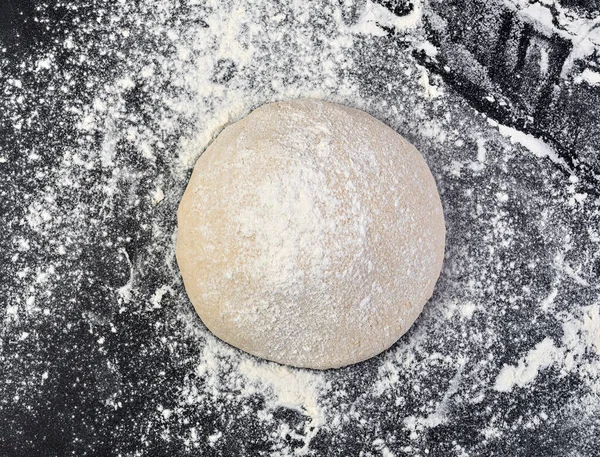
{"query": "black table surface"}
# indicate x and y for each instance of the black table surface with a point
(105, 106)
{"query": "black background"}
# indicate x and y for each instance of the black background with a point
(67, 416)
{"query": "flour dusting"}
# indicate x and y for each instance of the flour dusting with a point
(107, 105)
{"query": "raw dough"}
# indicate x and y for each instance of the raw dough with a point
(310, 234)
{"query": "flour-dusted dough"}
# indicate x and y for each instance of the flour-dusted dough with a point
(310, 234)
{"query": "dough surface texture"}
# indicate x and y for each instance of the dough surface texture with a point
(310, 234)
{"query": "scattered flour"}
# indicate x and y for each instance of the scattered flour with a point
(98, 181)
(580, 342)
(291, 388)
(375, 16)
(536, 146)
(542, 356)
(430, 90)
(588, 76)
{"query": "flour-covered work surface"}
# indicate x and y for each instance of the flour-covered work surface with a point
(106, 105)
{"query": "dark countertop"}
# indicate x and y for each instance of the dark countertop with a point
(105, 106)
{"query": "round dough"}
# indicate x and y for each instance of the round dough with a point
(310, 234)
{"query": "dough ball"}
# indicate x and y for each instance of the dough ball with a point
(310, 234)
